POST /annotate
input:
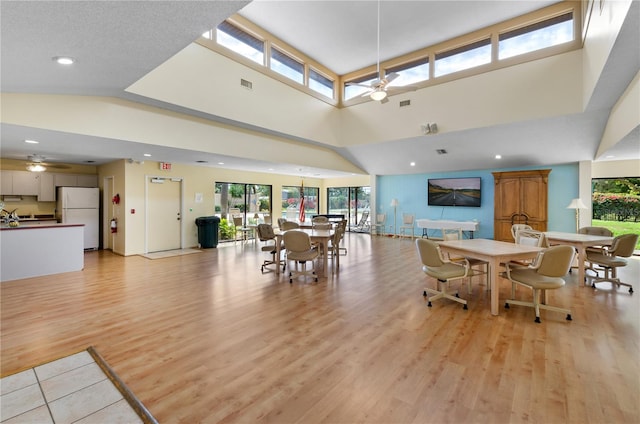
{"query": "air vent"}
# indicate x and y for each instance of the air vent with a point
(404, 103)
(441, 151)
(246, 84)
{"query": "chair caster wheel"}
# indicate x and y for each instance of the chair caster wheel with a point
(290, 281)
(506, 306)
(316, 280)
(429, 304)
(457, 296)
(630, 289)
(424, 293)
(464, 307)
(569, 317)
(537, 320)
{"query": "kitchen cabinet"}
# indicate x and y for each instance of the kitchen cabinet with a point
(47, 191)
(520, 197)
(20, 183)
(76, 180)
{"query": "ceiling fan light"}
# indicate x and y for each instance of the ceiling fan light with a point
(36, 167)
(378, 95)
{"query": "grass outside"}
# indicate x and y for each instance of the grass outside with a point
(620, 228)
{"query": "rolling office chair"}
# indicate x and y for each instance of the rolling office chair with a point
(266, 234)
(517, 227)
(299, 249)
(443, 270)
(609, 259)
(456, 234)
(544, 274)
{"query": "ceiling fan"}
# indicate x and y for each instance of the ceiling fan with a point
(36, 163)
(378, 89)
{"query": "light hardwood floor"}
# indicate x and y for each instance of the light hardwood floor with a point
(208, 338)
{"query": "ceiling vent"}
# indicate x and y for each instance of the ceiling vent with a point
(404, 103)
(441, 151)
(246, 84)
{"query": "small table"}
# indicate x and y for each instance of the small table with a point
(441, 224)
(321, 237)
(580, 242)
(494, 252)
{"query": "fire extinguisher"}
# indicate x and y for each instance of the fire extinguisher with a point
(116, 199)
(114, 225)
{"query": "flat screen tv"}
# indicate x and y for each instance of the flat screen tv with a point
(454, 192)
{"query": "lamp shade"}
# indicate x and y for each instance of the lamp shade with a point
(394, 203)
(576, 204)
(378, 95)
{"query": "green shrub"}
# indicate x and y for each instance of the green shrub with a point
(616, 207)
(227, 230)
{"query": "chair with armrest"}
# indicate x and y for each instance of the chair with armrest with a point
(299, 249)
(443, 270)
(529, 238)
(609, 259)
(456, 234)
(378, 227)
(408, 224)
(266, 234)
(596, 231)
(517, 227)
(363, 224)
(319, 220)
(544, 274)
(289, 225)
(322, 226)
(240, 228)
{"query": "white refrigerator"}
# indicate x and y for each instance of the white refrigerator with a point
(80, 205)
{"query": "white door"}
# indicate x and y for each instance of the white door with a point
(163, 211)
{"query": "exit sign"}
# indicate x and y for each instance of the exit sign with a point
(165, 166)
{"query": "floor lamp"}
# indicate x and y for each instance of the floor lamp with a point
(394, 205)
(577, 205)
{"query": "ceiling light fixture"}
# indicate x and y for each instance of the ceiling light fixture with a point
(64, 60)
(36, 167)
(498, 156)
(31, 141)
(378, 94)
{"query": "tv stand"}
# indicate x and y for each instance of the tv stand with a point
(441, 224)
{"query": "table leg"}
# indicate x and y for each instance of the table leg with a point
(494, 266)
(278, 250)
(325, 258)
(582, 252)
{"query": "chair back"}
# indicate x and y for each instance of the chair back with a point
(429, 253)
(265, 232)
(237, 221)
(555, 261)
(267, 219)
(407, 219)
(319, 219)
(289, 225)
(451, 234)
(322, 225)
(297, 241)
(596, 231)
(624, 245)
(381, 218)
(281, 221)
(531, 238)
(517, 227)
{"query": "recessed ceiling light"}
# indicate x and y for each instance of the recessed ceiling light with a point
(31, 141)
(610, 156)
(412, 164)
(64, 60)
(498, 156)
(220, 163)
(146, 155)
(270, 169)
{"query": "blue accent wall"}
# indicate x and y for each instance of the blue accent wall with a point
(411, 192)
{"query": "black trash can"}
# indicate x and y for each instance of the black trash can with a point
(208, 231)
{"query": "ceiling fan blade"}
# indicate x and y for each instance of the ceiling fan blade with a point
(390, 77)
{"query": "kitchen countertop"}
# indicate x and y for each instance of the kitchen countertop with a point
(38, 227)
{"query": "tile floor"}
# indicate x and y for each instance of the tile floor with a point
(69, 390)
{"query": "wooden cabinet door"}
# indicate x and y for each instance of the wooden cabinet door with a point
(508, 198)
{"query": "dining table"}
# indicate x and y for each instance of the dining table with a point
(321, 237)
(580, 242)
(494, 252)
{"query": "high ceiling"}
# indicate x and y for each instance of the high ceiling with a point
(117, 43)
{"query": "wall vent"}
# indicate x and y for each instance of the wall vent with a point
(441, 151)
(246, 84)
(404, 103)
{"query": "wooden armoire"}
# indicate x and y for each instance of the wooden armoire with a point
(520, 198)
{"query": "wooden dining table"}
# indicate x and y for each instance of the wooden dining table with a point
(495, 253)
(580, 242)
(322, 237)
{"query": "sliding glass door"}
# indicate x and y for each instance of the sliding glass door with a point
(353, 203)
(251, 201)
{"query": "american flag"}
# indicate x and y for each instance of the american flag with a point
(302, 216)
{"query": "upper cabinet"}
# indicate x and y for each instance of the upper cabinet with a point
(41, 184)
(75, 180)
